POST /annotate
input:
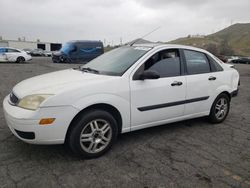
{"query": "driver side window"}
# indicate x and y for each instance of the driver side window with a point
(166, 63)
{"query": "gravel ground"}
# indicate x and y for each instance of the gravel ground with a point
(192, 153)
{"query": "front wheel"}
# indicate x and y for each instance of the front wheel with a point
(93, 134)
(220, 109)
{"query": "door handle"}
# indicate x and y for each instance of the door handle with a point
(176, 83)
(212, 78)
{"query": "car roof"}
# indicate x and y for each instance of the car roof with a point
(9, 48)
(86, 41)
(162, 45)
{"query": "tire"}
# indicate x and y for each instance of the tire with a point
(64, 59)
(219, 109)
(92, 134)
(20, 60)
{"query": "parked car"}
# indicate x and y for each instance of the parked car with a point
(37, 52)
(47, 53)
(27, 50)
(78, 52)
(123, 90)
(223, 58)
(13, 55)
(243, 60)
(231, 58)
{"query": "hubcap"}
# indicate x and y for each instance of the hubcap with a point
(96, 136)
(221, 108)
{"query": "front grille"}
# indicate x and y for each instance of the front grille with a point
(13, 98)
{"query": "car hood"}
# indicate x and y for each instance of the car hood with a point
(57, 82)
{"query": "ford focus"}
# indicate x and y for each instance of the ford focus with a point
(126, 89)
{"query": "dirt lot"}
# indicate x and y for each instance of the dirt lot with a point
(187, 154)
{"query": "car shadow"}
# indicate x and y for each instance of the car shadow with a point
(124, 140)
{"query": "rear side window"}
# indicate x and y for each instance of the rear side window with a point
(215, 67)
(197, 62)
(12, 50)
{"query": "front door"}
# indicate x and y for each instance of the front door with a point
(3, 56)
(155, 101)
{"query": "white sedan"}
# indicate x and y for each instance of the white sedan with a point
(13, 55)
(126, 89)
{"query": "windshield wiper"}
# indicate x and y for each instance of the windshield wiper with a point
(89, 70)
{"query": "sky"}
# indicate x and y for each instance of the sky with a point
(115, 21)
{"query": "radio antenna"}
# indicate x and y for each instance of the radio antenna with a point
(144, 36)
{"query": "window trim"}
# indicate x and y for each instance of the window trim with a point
(13, 50)
(209, 57)
(182, 66)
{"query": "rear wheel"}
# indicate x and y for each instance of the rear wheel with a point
(93, 134)
(20, 60)
(220, 109)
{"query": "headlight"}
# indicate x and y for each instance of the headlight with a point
(32, 102)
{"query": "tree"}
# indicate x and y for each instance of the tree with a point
(225, 49)
(212, 48)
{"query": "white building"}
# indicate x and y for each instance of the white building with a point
(22, 44)
(197, 36)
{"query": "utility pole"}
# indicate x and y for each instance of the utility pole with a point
(104, 41)
(120, 40)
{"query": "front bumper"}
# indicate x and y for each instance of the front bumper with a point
(24, 124)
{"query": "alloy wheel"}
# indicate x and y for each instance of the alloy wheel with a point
(96, 136)
(221, 108)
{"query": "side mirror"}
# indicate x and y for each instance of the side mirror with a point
(148, 74)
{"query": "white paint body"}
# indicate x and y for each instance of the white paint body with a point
(12, 56)
(74, 91)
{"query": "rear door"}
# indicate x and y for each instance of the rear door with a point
(154, 101)
(202, 82)
(12, 54)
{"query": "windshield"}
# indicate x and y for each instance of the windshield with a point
(2, 50)
(117, 61)
(67, 47)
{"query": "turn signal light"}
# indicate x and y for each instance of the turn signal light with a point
(46, 121)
